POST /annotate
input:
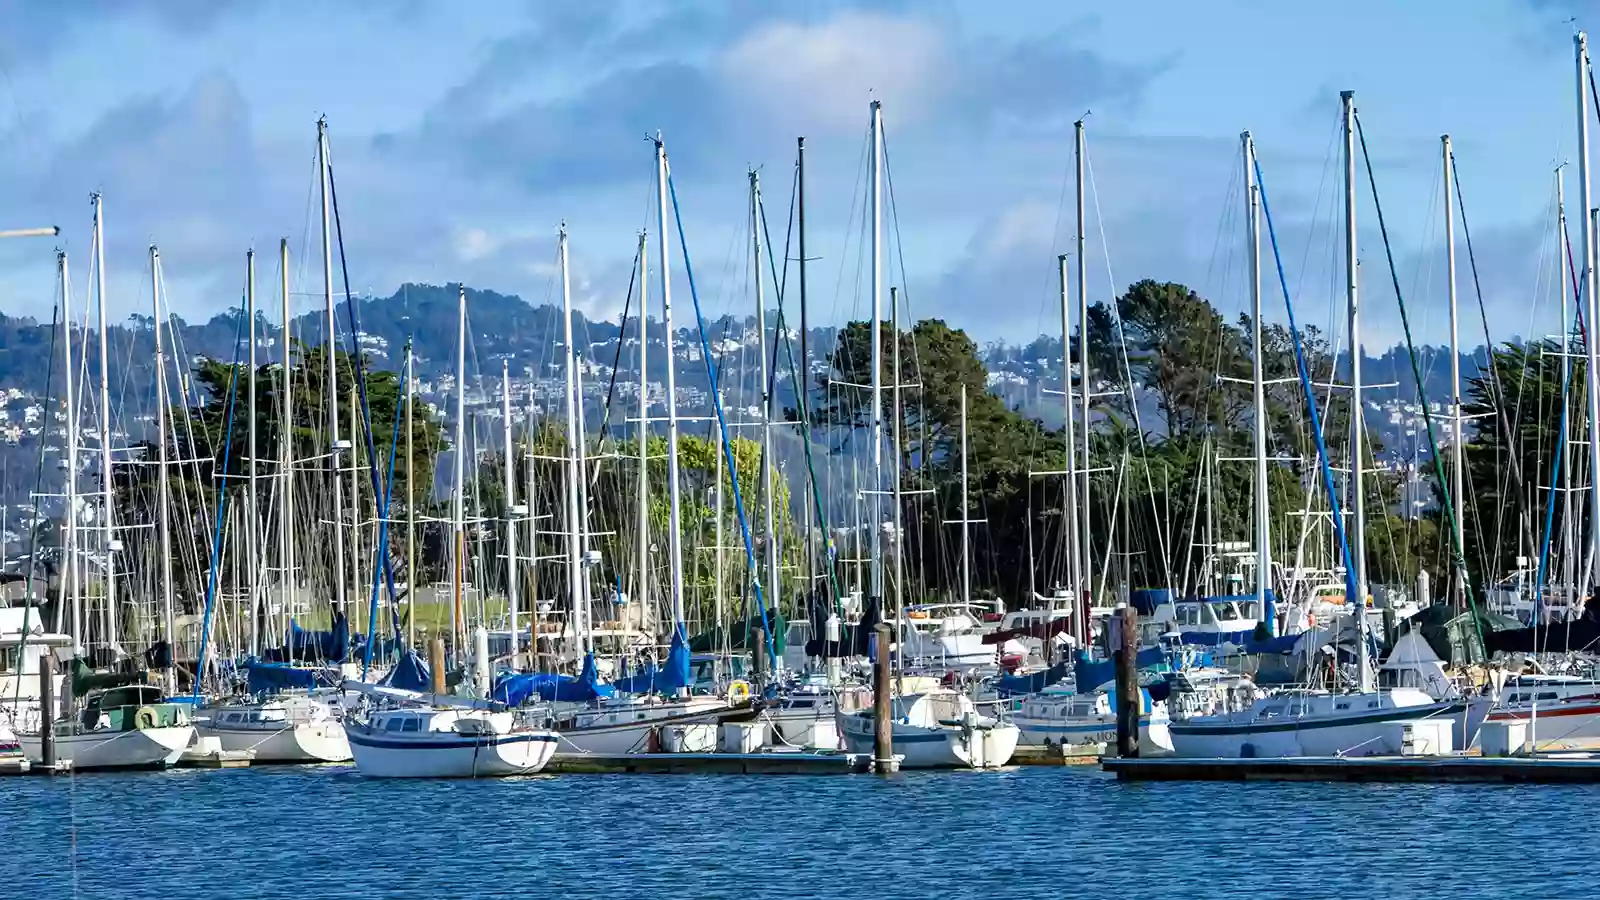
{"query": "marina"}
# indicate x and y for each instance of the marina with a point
(787, 539)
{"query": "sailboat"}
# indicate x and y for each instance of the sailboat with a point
(1367, 721)
(287, 720)
(121, 725)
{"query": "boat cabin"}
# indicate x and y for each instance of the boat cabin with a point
(133, 707)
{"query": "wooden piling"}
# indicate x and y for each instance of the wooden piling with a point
(1125, 652)
(47, 709)
(436, 664)
(883, 760)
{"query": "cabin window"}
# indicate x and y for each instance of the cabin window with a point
(412, 725)
(1341, 706)
(10, 658)
(1372, 704)
(392, 725)
(1549, 695)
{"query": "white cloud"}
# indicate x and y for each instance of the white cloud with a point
(822, 74)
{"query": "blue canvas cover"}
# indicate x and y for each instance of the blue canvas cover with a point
(410, 674)
(269, 677)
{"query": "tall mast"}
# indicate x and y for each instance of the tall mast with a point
(895, 411)
(1259, 397)
(803, 387)
(331, 392)
(459, 493)
(641, 585)
(1591, 346)
(875, 505)
(108, 515)
(1458, 589)
(584, 507)
(71, 586)
(674, 500)
(529, 463)
(511, 502)
(966, 512)
(252, 553)
(411, 504)
(286, 524)
(163, 488)
(574, 559)
(1569, 524)
(1076, 576)
(1358, 529)
(768, 532)
(1085, 383)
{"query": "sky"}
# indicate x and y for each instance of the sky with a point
(464, 134)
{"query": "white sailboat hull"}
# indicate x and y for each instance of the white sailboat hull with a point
(310, 742)
(631, 728)
(1368, 734)
(148, 748)
(1080, 731)
(447, 755)
(983, 747)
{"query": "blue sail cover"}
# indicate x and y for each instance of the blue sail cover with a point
(409, 674)
(1013, 685)
(640, 682)
(306, 645)
(666, 679)
(675, 674)
(515, 689)
(268, 677)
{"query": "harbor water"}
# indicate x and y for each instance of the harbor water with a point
(327, 833)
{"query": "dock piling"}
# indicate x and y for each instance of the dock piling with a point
(47, 709)
(1125, 651)
(436, 664)
(883, 761)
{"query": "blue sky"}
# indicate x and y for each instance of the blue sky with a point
(464, 133)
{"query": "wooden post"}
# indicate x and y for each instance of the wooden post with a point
(759, 655)
(47, 709)
(1125, 651)
(883, 760)
(436, 664)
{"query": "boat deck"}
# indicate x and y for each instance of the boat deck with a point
(1547, 769)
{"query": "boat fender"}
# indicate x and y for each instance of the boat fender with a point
(739, 691)
(146, 718)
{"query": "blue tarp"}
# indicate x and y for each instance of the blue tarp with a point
(410, 674)
(1145, 600)
(1089, 674)
(666, 679)
(268, 677)
(1284, 645)
(515, 689)
(1012, 685)
(305, 645)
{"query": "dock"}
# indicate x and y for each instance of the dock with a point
(207, 753)
(785, 763)
(1057, 754)
(1546, 769)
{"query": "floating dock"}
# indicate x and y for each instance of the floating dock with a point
(783, 763)
(1057, 755)
(1548, 769)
